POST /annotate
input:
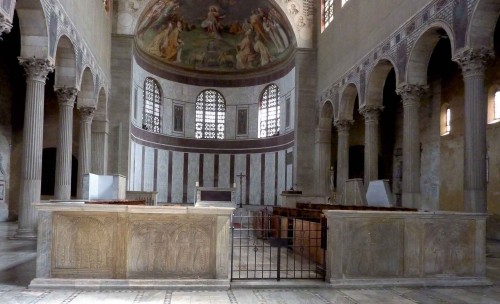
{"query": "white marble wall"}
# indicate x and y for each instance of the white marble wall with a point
(171, 185)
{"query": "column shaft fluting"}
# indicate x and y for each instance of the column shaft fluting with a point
(84, 149)
(31, 163)
(411, 96)
(66, 98)
(473, 63)
(343, 127)
(371, 114)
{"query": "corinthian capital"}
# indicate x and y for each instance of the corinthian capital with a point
(36, 69)
(473, 61)
(411, 94)
(343, 125)
(66, 96)
(371, 112)
(86, 114)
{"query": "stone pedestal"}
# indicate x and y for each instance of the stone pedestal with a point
(410, 97)
(31, 161)
(66, 98)
(343, 127)
(371, 114)
(84, 150)
(473, 63)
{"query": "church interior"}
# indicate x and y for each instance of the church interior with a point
(340, 151)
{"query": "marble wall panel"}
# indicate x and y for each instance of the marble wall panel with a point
(270, 177)
(208, 170)
(240, 168)
(255, 179)
(149, 169)
(162, 180)
(224, 170)
(281, 174)
(137, 184)
(131, 173)
(193, 176)
(177, 177)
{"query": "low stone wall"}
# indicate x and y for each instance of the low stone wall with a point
(377, 248)
(107, 242)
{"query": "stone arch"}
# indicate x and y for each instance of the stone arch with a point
(34, 29)
(347, 101)
(420, 54)
(376, 81)
(480, 32)
(326, 115)
(86, 97)
(65, 61)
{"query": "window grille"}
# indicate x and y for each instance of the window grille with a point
(152, 102)
(269, 112)
(210, 115)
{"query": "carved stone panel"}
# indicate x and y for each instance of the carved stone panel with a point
(448, 248)
(83, 245)
(171, 247)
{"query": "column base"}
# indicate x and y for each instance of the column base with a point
(24, 234)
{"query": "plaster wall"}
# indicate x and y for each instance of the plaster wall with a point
(357, 28)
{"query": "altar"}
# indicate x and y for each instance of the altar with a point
(120, 246)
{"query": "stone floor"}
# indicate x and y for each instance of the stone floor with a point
(17, 268)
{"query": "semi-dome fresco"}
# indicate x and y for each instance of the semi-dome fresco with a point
(214, 35)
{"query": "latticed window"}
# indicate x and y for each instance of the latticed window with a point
(269, 111)
(327, 12)
(210, 115)
(152, 102)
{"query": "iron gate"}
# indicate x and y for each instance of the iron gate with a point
(266, 246)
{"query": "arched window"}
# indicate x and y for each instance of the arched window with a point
(445, 119)
(210, 115)
(151, 117)
(494, 104)
(327, 8)
(344, 2)
(269, 111)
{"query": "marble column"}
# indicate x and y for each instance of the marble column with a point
(323, 161)
(100, 131)
(371, 114)
(31, 161)
(473, 64)
(411, 96)
(66, 99)
(343, 127)
(84, 149)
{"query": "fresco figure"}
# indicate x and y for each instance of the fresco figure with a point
(157, 46)
(174, 44)
(274, 19)
(275, 38)
(246, 53)
(165, 14)
(212, 23)
(256, 22)
(151, 16)
(261, 48)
